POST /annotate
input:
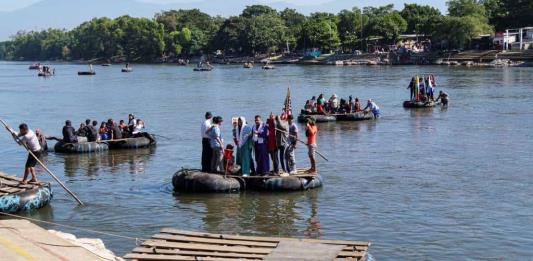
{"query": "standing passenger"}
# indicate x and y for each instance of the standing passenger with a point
(217, 145)
(282, 130)
(293, 139)
(311, 131)
(260, 131)
(271, 143)
(207, 152)
(244, 141)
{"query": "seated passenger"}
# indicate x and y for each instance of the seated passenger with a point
(103, 131)
(69, 133)
(81, 132)
(92, 133)
(357, 105)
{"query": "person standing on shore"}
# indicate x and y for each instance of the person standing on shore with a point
(28, 138)
(290, 158)
(207, 152)
(271, 143)
(311, 131)
(260, 137)
(281, 141)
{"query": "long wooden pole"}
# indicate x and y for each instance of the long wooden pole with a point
(41, 163)
(317, 152)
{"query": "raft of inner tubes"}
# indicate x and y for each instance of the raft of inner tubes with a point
(188, 180)
(91, 147)
(27, 200)
(356, 116)
(419, 104)
(202, 69)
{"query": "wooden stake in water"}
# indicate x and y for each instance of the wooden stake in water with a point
(41, 163)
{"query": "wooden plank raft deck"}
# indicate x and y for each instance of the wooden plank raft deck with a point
(173, 244)
(300, 173)
(10, 185)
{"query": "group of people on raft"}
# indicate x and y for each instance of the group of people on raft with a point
(422, 89)
(256, 144)
(334, 105)
(109, 130)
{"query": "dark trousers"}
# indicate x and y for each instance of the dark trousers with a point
(275, 160)
(207, 154)
(281, 150)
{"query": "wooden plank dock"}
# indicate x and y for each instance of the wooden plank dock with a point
(173, 244)
(11, 184)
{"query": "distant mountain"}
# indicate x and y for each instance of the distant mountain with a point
(69, 13)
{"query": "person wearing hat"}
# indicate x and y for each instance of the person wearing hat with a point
(69, 133)
(310, 132)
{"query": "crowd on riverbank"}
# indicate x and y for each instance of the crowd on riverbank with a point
(257, 145)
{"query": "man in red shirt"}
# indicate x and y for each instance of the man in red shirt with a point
(311, 131)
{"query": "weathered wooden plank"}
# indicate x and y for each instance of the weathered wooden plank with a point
(351, 254)
(300, 250)
(194, 253)
(9, 182)
(220, 236)
(10, 189)
(170, 237)
(262, 239)
(172, 258)
(206, 247)
(357, 248)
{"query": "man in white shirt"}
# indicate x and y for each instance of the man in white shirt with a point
(28, 138)
(207, 152)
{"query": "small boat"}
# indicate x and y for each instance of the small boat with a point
(317, 117)
(45, 74)
(80, 147)
(105, 64)
(127, 69)
(16, 197)
(182, 62)
(268, 67)
(190, 180)
(35, 66)
(203, 69)
(355, 116)
(248, 65)
(419, 104)
(130, 143)
(87, 73)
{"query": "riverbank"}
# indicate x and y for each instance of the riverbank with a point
(23, 240)
(491, 58)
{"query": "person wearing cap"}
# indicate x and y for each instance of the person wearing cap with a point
(311, 131)
(373, 107)
(207, 152)
(28, 138)
(69, 133)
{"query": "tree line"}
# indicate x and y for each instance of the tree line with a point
(260, 29)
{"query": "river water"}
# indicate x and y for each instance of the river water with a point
(431, 184)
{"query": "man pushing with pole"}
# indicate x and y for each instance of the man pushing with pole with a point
(30, 142)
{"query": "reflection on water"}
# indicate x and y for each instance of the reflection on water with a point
(258, 213)
(112, 161)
